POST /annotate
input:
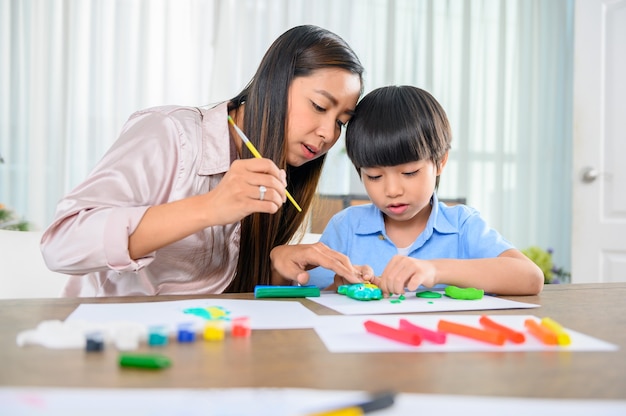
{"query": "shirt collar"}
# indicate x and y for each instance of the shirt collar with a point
(217, 148)
(376, 226)
(435, 222)
(439, 221)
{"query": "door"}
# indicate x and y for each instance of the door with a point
(599, 188)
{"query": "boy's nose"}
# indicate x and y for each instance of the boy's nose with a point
(393, 188)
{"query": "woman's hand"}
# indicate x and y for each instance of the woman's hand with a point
(290, 262)
(239, 192)
(235, 197)
(365, 273)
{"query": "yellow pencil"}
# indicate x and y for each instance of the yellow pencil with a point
(256, 154)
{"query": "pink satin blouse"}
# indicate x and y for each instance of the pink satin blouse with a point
(163, 154)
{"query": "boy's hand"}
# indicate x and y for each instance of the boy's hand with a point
(404, 272)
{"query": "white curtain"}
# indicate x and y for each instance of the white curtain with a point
(72, 71)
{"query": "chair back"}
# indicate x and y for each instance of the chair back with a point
(23, 272)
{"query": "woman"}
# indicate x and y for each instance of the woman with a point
(179, 206)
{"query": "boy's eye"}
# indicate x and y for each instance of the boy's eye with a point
(373, 177)
(412, 173)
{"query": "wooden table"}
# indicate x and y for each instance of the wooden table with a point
(299, 359)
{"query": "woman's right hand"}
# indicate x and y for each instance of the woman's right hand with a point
(235, 197)
(238, 193)
(365, 273)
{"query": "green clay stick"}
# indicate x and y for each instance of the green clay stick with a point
(147, 361)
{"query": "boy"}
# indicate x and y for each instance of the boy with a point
(398, 141)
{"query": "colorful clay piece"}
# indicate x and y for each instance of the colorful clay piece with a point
(469, 293)
(144, 361)
(214, 331)
(361, 291)
(541, 332)
(428, 294)
(186, 334)
(265, 291)
(562, 337)
(241, 327)
(95, 342)
(157, 336)
(127, 336)
(424, 333)
(479, 334)
(510, 334)
(389, 332)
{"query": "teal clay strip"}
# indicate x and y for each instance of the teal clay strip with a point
(469, 293)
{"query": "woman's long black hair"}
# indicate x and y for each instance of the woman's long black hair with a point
(297, 53)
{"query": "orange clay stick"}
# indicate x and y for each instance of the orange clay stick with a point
(479, 334)
(510, 334)
(542, 333)
(562, 337)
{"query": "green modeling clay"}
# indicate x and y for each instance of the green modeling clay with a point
(428, 294)
(469, 293)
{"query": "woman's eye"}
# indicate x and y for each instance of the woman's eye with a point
(341, 124)
(318, 108)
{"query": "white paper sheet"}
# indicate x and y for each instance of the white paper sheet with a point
(412, 303)
(263, 314)
(347, 334)
(276, 402)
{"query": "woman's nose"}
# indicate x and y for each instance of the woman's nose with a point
(327, 131)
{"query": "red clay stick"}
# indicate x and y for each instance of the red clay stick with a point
(424, 333)
(392, 333)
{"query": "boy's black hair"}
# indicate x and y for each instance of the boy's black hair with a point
(397, 124)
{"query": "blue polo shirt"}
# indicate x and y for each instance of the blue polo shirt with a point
(452, 232)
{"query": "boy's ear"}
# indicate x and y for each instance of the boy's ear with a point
(442, 165)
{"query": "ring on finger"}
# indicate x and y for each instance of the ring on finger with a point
(262, 190)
